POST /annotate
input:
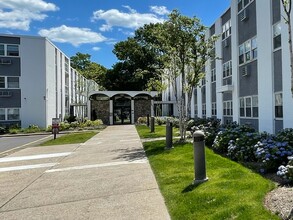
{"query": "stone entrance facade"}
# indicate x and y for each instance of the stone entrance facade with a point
(116, 107)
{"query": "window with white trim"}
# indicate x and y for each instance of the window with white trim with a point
(12, 114)
(226, 30)
(9, 82)
(248, 51)
(213, 75)
(9, 50)
(243, 3)
(203, 81)
(227, 108)
(204, 109)
(249, 107)
(214, 108)
(195, 110)
(227, 69)
(279, 105)
(277, 35)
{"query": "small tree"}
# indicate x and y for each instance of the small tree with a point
(185, 53)
(287, 6)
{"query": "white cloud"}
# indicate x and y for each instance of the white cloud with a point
(96, 48)
(73, 35)
(132, 19)
(160, 10)
(105, 27)
(18, 14)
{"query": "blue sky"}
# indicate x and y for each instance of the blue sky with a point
(94, 26)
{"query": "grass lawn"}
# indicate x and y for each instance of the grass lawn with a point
(160, 131)
(232, 191)
(73, 138)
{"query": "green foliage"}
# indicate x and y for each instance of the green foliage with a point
(224, 137)
(142, 120)
(70, 138)
(2, 130)
(232, 192)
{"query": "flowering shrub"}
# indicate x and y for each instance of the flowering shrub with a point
(286, 172)
(285, 135)
(160, 120)
(272, 153)
(242, 149)
(224, 137)
(90, 123)
(142, 120)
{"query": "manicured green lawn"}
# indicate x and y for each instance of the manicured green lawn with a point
(73, 138)
(232, 191)
(160, 131)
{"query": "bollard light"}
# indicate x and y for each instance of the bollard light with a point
(169, 135)
(199, 157)
(152, 124)
(148, 120)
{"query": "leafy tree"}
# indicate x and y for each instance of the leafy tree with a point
(90, 70)
(287, 6)
(184, 51)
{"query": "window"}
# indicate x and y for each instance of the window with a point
(227, 69)
(2, 50)
(242, 4)
(12, 50)
(195, 110)
(203, 81)
(278, 105)
(2, 82)
(13, 82)
(249, 107)
(227, 108)
(2, 114)
(248, 51)
(226, 30)
(214, 108)
(204, 109)
(12, 114)
(277, 35)
(7, 82)
(213, 75)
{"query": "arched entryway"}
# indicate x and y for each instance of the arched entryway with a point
(121, 109)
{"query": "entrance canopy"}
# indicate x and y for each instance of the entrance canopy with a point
(121, 107)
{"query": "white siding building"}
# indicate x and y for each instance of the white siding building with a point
(38, 84)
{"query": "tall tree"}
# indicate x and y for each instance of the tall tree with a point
(91, 70)
(287, 6)
(184, 50)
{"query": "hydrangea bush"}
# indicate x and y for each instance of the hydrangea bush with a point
(286, 172)
(272, 153)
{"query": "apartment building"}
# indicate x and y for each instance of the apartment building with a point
(251, 83)
(37, 83)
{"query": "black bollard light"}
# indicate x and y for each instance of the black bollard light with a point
(199, 158)
(152, 124)
(148, 120)
(169, 135)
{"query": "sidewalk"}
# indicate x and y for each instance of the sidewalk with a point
(108, 177)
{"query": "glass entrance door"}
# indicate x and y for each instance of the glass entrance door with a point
(122, 111)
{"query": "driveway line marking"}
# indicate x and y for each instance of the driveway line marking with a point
(27, 167)
(97, 165)
(34, 157)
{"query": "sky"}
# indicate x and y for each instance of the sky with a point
(94, 26)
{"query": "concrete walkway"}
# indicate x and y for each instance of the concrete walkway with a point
(108, 177)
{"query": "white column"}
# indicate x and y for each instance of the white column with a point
(111, 112)
(132, 112)
(89, 110)
(219, 70)
(265, 66)
(234, 52)
(286, 74)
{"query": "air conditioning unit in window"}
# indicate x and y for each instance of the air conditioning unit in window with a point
(226, 43)
(245, 71)
(244, 15)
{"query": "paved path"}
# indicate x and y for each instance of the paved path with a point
(108, 177)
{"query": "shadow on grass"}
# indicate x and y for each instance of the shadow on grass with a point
(191, 187)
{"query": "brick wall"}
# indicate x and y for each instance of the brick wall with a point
(102, 109)
(141, 108)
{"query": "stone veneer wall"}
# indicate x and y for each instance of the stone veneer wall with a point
(102, 109)
(141, 108)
